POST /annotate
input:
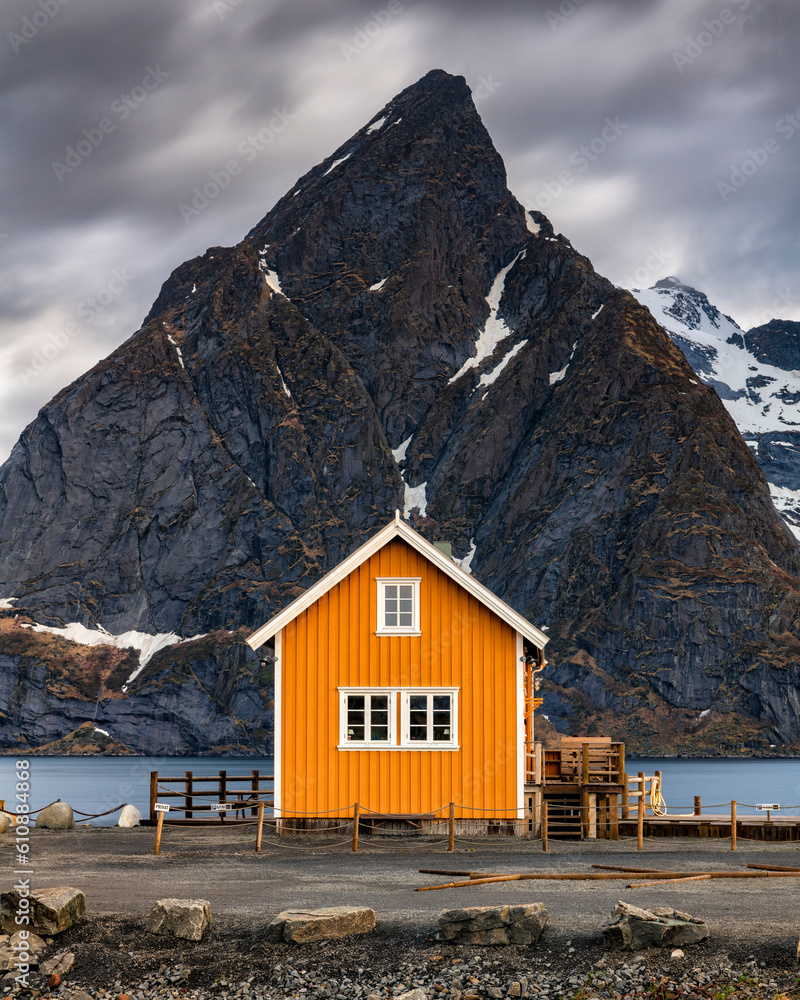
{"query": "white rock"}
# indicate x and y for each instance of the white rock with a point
(130, 816)
(677, 953)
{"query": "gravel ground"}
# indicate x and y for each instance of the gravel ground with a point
(751, 953)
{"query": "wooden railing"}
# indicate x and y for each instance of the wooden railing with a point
(579, 761)
(242, 793)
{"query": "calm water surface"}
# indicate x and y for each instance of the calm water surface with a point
(94, 784)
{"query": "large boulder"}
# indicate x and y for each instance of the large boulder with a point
(13, 948)
(305, 926)
(130, 816)
(633, 928)
(182, 918)
(493, 924)
(51, 910)
(58, 816)
(5, 822)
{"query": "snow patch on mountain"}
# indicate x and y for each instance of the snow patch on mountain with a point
(376, 125)
(466, 561)
(177, 350)
(559, 375)
(489, 377)
(399, 452)
(378, 285)
(495, 329)
(145, 645)
(336, 163)
(415, 497)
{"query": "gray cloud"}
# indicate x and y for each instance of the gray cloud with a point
(696, 94)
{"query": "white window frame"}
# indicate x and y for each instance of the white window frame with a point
(399, 698)
(406, 742)
(348, 744)
(382, 627)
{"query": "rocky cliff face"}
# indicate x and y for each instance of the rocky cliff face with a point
(399, 333)
(756, 375)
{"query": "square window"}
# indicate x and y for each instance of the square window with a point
(398, 606)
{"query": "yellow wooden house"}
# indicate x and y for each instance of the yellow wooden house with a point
(402, 684)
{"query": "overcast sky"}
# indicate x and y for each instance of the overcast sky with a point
(661, 136)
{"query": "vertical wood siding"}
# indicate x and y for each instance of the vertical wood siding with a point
(463, 645)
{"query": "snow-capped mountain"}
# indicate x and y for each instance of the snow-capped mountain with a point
(755, 374)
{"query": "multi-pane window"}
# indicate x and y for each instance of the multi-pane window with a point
(427, 717)
(398, 606)
(367, 718)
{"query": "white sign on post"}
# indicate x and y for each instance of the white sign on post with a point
(162, 807)
(762, 806)
(222, 807)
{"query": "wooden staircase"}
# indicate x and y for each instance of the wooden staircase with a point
(564, 815)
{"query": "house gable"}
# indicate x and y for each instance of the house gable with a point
(398, 529)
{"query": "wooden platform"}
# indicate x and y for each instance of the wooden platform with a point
(776, 829)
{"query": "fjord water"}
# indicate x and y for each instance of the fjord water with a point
(96, 784)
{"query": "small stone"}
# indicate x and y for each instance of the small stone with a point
(515, 990)
(54, 981)
(61, 963)
(677, 953)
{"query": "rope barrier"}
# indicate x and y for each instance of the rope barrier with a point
(89, 816)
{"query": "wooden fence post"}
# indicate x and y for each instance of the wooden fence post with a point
(187, 799)
(585, 764)
(544, 824)
(355, 827)
(640, 814)
(254, 788)
(260, 827)
(159, 825)
(733, 825)
(698, 806)
(223, 792)
(625, 801)
(153, 794)
(451, 843)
